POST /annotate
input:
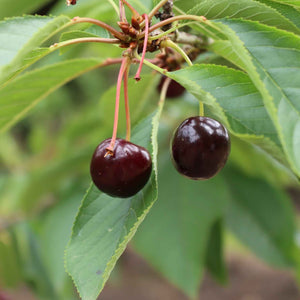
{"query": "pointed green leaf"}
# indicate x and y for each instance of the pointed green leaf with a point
(104, 225)
(271, 57)
(24, 92)
(20, 36)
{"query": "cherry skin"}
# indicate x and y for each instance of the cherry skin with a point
(174, 90)
(200, 147)
(123, 173)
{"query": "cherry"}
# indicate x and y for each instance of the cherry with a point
(174, 90)
(200, 147)
(123, 173)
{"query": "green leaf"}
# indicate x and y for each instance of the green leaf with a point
(271, 57)
(174, 236)
(295, 3)
(98, 31)
(104, 225)
(288, 11)
(269, 235)
(20, 36)
(22, 7)
(246, 9)
(214, 260)
(24, 92)
(235, 100)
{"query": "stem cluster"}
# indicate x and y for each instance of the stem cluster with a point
(139, 36)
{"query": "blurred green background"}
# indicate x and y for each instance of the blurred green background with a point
(44, 173)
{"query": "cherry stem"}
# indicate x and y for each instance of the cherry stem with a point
(113, 31)
(169, 43)
(133, 10)
(164, 33)
(174, 19)
(127, 110)
(138, 73)
(123, 67)
(122, 11)
(201, 109)
(84, 40)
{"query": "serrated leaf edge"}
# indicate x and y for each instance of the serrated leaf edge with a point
(35, 39)
(255, 77)
(121, 246)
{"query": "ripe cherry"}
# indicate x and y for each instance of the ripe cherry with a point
(174, 90)
(200, 147)
(123, 173)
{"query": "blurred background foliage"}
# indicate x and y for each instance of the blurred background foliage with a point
(44, 172)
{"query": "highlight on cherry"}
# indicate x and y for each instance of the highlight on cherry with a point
(119, 167)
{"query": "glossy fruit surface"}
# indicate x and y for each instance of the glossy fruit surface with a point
(200, 147)
(174, 90)
(125, 172)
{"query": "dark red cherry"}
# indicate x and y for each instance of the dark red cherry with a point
(71, 2)
(174, 90)
(123, 173)
(200, 147)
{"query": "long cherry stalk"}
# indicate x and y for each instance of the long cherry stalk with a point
(164, 33)
(122, 11)
(174, 19)
(138, 73)
(113, 31)
(85, 40)
(110, 149)
(127, 109)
